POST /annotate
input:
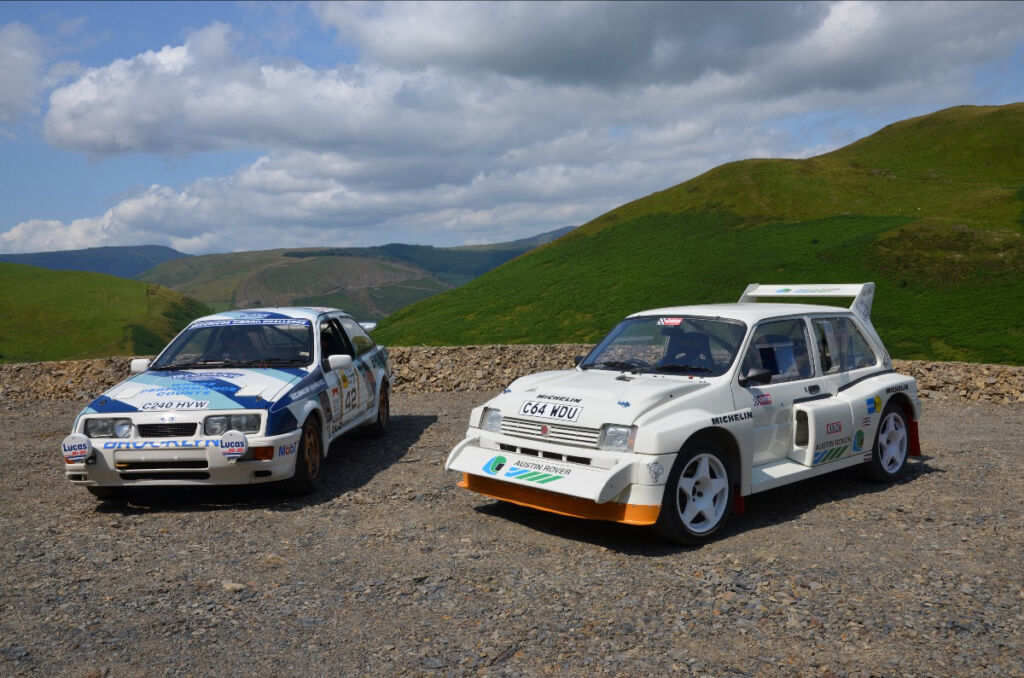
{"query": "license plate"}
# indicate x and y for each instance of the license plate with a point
(546, 410)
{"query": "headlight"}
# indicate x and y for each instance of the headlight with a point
(108, 428)
(490, 420)
(219, 423)
(617, 438)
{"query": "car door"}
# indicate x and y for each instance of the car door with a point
(846, 357)
(342, 385)
(362, 345)
(781, 346)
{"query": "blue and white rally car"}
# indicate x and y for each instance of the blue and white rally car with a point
(238, 397)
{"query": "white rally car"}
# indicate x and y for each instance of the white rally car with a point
(238, 397)
(681, 412)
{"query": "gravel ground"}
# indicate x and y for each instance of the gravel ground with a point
(390, 569)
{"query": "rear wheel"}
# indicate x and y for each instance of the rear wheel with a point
(698, 494)
(380, 424)
(889, 457)
(308, 461)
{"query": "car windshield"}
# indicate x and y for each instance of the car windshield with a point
(239, 343)
(669, 345)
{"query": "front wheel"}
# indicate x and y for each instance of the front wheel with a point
(889, 456)
(698, 494)
(308, 461)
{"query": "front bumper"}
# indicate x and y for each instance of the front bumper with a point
(630, 514)
(114, 462)
(620, 487)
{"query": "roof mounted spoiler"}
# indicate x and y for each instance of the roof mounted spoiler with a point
(863, 294)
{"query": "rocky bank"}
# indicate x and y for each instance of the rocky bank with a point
(435, 369)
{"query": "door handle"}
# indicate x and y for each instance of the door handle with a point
(813, 389)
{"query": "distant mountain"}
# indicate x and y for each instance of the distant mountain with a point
(931, 209)
(368, 282)
(453, 265)
(125, 262)
(55, 315)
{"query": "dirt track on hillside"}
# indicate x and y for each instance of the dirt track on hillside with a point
(389, 569)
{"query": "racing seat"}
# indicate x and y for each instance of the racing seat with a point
(689, 348)
(240, 346)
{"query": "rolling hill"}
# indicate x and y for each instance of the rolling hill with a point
(125, 262)
(369, 282)
(931, 209)
(56, 315)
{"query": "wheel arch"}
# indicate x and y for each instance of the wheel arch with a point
(725, 440)
(317, 416)
(906, 405)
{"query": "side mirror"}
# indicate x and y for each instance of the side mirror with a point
(756, 375)
(139, 365)
(339, 362)
(578, 359)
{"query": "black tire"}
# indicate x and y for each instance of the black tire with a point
(698, 494)
(109, 493)
(309, 461)
(892, 444)
(380, 424)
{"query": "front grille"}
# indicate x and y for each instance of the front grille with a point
(167, 430)
(556, 433)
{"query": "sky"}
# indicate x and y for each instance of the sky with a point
(218, 127)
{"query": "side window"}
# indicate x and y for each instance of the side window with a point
(841, 345)
(331, 341)
(781, 347)
(360, 339)
(828, 345)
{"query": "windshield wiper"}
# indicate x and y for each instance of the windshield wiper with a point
(186, 364)
(183, 365)
(683, 368)
(617, 365)
(281, 361)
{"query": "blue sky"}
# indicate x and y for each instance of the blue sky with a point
(214, 127)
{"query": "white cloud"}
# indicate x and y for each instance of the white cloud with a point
(21, 62)
(477, 122)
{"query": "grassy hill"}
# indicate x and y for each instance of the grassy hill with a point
(931, 209)
(126, 262)
(369, 282)
(366, 287)
(54, 315)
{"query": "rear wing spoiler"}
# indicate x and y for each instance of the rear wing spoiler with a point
(863, 294)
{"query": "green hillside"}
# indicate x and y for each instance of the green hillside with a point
(368, 282)
(54, 315)
(931, 209)
(369, 288)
